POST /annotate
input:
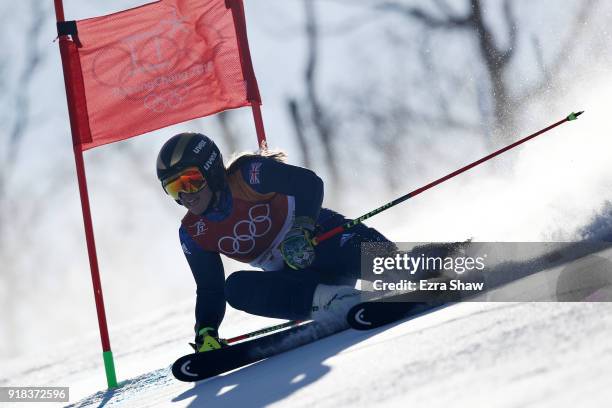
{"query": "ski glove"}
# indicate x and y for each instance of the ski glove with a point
(207, 339)
(297, 249)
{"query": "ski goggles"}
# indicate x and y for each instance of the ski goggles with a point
(190, 180)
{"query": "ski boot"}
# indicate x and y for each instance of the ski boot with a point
(208, 339)
(330, 304)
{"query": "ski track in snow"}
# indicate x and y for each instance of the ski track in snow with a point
(469, 354)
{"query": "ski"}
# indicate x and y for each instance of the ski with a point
(200, 366)
(376, 313)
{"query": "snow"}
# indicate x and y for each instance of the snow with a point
(502, 354)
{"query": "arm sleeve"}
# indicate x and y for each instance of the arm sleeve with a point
(207, 270)
(266, 175)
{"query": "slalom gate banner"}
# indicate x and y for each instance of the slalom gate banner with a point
(143, 69)
(152, 66)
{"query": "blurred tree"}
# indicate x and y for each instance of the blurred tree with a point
(467, 68)
(229, 135)
(310, 116)
(17, 210)
(17, 98)
(505, 93)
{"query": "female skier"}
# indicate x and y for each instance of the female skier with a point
(264, 212)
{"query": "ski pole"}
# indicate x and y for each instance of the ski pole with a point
(265, 330)
(341, 228)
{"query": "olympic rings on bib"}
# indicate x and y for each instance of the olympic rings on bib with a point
(246, 231)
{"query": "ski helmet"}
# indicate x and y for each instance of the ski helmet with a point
(192, 150)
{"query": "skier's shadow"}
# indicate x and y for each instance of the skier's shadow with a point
(274, 379)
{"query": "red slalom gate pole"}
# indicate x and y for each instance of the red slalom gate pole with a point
(339, 229)
(237, 8)
(107, 354)
(259, 127)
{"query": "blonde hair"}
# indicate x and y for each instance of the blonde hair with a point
(238, 158)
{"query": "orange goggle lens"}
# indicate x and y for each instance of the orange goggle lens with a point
(188, 181)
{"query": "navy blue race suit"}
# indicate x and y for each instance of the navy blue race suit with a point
(247, 224)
